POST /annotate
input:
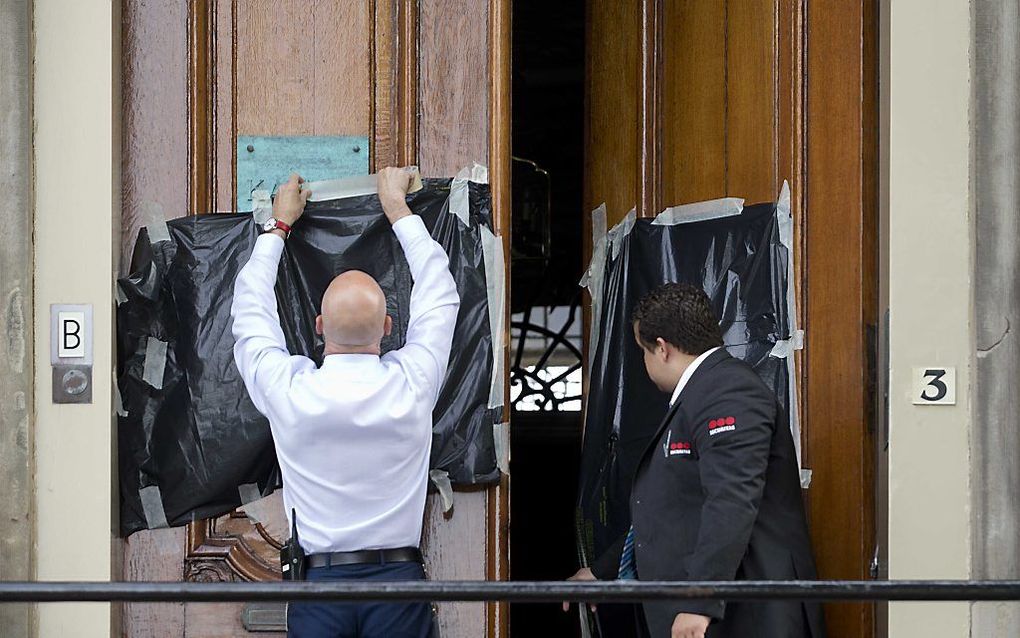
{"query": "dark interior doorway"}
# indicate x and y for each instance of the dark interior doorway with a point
(548, 166)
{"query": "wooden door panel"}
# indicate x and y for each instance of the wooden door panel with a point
(155, 117)
(750, 93)
(611, 130)
(202, 73)
(751, 101)
(453, 132)
(720, 106)
(303, 68)
(694, 116)
(154, 170)
(841, 299)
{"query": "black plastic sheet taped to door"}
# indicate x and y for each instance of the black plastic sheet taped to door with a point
(189, 436)
(743, 265)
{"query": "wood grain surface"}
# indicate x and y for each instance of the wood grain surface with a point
(303, 68)
(154, 177)
(840, 263)
(694, 101)
(155, 126)
(453, 89)
(612, 134)
(752, 67)
(453, 132)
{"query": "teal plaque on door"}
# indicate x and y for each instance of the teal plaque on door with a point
(265, 162)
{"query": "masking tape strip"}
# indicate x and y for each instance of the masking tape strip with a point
(441, 479)
(479, 173)
(619, 232)
(251, 504)
(593, 279)
(805, 479)
(786, 347)
(150, 213)
(158, 231)
(152, 507)
(598, 233)
(699, 211)
(249, 493)
(356, 186)
(501, 441)
(118, 401)
(495, 288)
(459, 201)
(261, 206)
(155, 362)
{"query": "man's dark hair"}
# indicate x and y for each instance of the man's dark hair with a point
(680, 314)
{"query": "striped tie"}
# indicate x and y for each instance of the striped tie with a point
(628, 567)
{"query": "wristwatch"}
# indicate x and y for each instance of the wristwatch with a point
(272, 224)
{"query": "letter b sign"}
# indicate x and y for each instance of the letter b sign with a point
(71, 335)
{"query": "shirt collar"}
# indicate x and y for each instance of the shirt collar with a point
(688, 373)
(351, 359)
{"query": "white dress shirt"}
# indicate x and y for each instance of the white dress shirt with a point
(352, 437)
(688, 373)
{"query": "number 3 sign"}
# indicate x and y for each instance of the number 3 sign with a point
(934, 386)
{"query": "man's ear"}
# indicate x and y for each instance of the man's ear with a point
(318, 325)
(387, 326)
(661, 350)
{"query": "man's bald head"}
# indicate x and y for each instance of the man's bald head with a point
(353, 314)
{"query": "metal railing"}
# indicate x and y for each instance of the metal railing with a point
(514, 592)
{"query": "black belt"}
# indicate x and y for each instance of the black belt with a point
(365, 557)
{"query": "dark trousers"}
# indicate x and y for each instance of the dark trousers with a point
(361, 620)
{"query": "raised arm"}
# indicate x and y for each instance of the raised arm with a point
(434, 298)
(260, 350)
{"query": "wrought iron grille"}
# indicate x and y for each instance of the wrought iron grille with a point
(545, 374)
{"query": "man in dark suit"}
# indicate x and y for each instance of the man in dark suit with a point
(716, 495)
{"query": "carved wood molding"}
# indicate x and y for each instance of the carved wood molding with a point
(498, 498)
(231, 547)
(201, 106)
(650, 145)
(394, 92)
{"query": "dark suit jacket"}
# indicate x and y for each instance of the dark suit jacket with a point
(717, 496)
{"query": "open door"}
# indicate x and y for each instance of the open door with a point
(691, 100)
(208, 84)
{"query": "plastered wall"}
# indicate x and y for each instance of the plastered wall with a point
(928, 265)
(76, 113)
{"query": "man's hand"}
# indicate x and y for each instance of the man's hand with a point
(393, 186)
(582, 574)
(689, 626)
(290, 200)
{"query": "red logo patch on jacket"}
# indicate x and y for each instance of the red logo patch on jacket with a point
(679, 448)
(725, 424)
(675, 448)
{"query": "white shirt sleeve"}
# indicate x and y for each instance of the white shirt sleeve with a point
(260, 349)
(434, 307)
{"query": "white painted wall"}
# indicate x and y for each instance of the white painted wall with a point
(929, 265)
(77, 159)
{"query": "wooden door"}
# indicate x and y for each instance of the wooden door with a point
(423, 82)
(697, 99)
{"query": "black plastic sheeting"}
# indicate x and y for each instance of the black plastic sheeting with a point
(199, 437)
(742, 265)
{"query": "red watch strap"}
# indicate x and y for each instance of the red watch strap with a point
(284, 227)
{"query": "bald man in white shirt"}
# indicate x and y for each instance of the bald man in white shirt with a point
(353, 437)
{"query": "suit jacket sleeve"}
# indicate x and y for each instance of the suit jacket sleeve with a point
(606, 565)
(732, 465)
